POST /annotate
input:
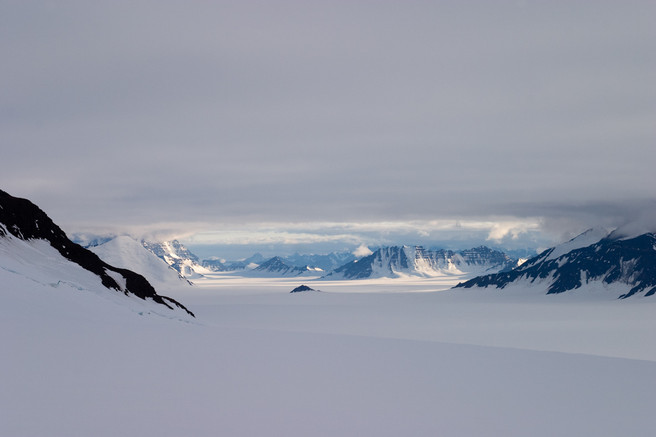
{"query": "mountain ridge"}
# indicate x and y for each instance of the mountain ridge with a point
(395, 261)
(177, 256)
(277, 266)
(25, 221)
(627, 261)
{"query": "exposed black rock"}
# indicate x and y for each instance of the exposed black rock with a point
(302, 288)
(630, 261)
(26, 221)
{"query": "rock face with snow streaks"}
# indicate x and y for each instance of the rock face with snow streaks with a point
(178, 257)
(611, 260)
(397, 261)
(127, 252)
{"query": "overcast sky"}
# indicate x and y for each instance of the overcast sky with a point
(278, 116)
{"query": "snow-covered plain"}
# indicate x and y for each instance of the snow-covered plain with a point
(361, 358)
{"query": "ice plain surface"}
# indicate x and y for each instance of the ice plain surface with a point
(361, 358)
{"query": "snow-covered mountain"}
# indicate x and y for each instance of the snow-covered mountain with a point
(178, 257)
(326, 262)
(591, 259)
(397, 261)
(276, 266)
(214, 265)
(124, 251)
(228, 266)
(33, 247)
(312, 263)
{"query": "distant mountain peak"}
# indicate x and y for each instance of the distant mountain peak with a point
(277, 266)
(178, 257)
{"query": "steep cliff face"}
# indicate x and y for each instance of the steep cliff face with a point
(178, 257)
(22, 219)
(417, 261)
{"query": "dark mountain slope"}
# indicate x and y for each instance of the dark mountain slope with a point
(26, 221)
(626, 261)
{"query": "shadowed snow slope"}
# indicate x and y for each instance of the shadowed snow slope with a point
(26, 231)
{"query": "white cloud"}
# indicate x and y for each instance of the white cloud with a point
(362, 251)
(502, 230)
(258, 237)
(302, 125)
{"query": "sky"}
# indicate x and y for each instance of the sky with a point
(289, 123)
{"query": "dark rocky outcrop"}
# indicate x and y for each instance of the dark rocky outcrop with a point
(611, 260)
(302, 288)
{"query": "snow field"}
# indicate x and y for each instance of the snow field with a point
(348, 361)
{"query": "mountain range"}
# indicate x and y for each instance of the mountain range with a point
(397, 261)
(217, 265)
(276, 266)
(32, 246)
(594, 258)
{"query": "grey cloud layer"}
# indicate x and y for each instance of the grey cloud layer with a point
(141, 112)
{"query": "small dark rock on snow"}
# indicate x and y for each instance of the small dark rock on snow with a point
(302, 288)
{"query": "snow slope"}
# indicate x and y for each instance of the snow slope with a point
(36, 248)
(126, 252)
(34, 266)
(587, 238)
(38, 261)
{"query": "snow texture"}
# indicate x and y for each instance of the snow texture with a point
(261, 361)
